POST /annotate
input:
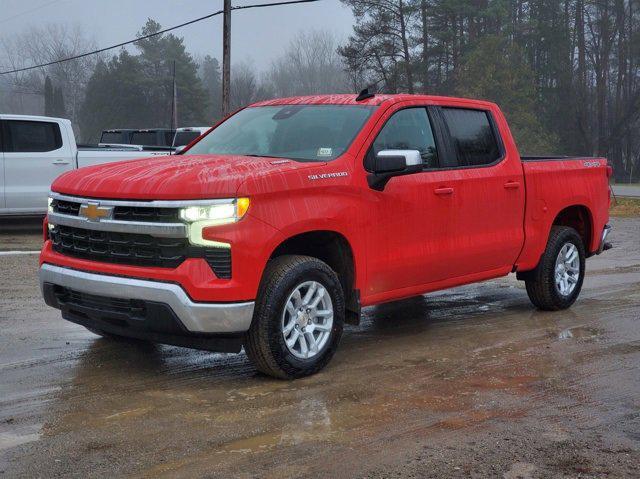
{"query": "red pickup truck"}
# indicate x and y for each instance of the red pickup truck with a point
(284, 220)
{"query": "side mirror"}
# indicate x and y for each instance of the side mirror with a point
(390, 163)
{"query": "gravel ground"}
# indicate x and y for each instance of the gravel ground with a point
(471, 382)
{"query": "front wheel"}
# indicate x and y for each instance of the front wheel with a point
(556, 282)
(298, 319)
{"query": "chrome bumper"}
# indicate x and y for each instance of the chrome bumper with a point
(603, 244)
(196, 317)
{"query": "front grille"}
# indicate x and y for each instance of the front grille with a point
(135, 249)
(149, 215)
(126, 248)
(123, 213)
(66, 207)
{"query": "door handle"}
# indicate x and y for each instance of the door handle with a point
(512, 185)
(443, 191)
(60, 162)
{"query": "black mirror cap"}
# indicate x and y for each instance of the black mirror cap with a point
(377, 181)
(389, 164)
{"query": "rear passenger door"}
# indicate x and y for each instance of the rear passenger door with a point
(34, 156)
(487, 193)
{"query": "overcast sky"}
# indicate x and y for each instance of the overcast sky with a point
(258, 35)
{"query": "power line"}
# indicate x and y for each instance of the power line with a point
(5, 20)
(190, 22)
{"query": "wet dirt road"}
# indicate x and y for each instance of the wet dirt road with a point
(471, 382)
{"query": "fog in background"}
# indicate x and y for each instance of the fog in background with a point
(257, 35)
(565, 72)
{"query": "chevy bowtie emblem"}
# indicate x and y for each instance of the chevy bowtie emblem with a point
(95, 212)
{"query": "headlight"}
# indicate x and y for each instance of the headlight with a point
(49, 204)
(219, 212)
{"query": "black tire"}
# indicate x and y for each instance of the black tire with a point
(265, 344)
(541, 284)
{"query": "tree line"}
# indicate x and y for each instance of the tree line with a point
(566, 72)
(134, 88)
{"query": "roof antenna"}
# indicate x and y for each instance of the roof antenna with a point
(365, 95)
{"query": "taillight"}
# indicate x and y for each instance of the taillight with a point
(609, 171)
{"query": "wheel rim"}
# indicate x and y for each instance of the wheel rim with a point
(307, 319)
(567, 271)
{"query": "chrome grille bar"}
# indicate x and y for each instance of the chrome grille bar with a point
(160, 230)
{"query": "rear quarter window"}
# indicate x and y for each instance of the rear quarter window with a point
(32, 136)
(472, 136)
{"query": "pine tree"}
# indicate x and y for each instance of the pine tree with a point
(48, 97)
(136, 91)
(58, 108)
(497, 70)
(157, 55)
(211, 82)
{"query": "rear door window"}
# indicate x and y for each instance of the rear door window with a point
(32, 136)
(472, 136)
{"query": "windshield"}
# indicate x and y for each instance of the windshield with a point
(297, 132)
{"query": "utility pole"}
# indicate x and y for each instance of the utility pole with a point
(174, 100)
(226, 57)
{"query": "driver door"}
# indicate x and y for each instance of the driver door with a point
(413, 219)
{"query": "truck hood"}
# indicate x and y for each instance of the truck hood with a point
(171, 177)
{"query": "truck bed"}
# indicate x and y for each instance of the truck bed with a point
(551, 184)
(556, 158)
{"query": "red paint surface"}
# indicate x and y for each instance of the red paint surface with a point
(405, 240)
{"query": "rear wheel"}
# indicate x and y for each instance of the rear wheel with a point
(298, 319)
(556, 282)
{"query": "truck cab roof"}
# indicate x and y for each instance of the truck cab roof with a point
(375, 100)
(9, 116)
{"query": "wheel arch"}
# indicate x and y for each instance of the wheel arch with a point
(580, 218)
(334, 249)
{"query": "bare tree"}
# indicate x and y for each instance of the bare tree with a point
(48, 44)
(310, 65)
(245, 86)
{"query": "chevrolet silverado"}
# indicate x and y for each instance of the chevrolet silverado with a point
(275, 228)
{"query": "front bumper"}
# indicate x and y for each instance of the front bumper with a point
(193, 317)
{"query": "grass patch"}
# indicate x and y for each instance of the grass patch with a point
(625, 207)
